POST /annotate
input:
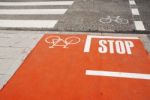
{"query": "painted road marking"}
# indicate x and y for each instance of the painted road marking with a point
(61, 71)
(57, 41)
(28, 23)
(90, 37)
(111, 37)
(118, 74)
(110, 19)
(39, 23)
(118, 46)
(135, 11)
(131, 2)
(32, 11)
(36, 3)
(139, 25)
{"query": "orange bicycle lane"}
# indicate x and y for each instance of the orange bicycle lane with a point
(54, 71)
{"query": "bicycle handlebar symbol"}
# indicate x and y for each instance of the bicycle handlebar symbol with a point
(116, 19)
(57, 41)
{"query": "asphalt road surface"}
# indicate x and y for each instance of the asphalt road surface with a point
(76, 15)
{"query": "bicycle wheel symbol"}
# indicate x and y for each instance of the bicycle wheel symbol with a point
(72, 40)
(122, 21)
(54, 41)
(116, 19)
(105, 20)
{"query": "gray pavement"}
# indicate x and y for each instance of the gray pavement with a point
(14, 48)
(85, 15)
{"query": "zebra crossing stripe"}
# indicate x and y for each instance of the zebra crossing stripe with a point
(37, 12)
(28, 23)
(36, 3)
(32, 11)
(135, 11)
(132, 2)
(139, 25)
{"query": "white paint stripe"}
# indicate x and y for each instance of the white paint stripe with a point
(111, 37)
(87, 44)
(132, 2)
(139, 25)
(118, 74)
(135, 11)
(32, 11)
(36, 3)
(28, 23)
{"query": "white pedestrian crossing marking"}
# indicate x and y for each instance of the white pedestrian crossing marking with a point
(135, 14)
(36, 3)
(135, 11)
(132, 2)
(28, 23)
(139, 25)
(32, 11)
(36, 23)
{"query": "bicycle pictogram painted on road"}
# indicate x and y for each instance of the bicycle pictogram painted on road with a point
(54, 41)
(116, 19)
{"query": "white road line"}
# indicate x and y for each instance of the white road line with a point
(32, 11)
(28, 23)
(118, 74)
(36, 3)
(139, 25)
(111, 37)
(135, 11)
(88, 43)
(131, 2)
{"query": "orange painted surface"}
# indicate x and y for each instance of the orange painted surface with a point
(59, 73)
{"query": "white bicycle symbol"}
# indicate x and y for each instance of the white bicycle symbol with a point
(57, 41)
(117, 19)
